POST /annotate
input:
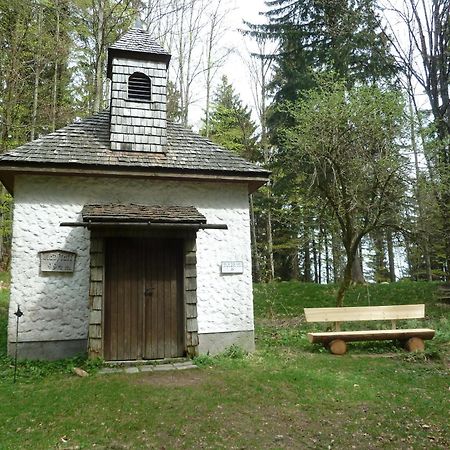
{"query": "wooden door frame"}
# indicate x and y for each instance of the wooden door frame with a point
(97, 283)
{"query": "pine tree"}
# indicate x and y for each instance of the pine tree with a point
(317, 36)
(173, 102)
(230, 123)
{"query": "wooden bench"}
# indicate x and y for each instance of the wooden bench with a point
(336, 340)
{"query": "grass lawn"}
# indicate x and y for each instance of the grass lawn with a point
(288, 394)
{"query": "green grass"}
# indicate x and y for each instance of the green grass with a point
(288, 394)
(289, 298)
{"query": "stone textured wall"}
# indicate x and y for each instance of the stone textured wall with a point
(138, 126)
(56, 306)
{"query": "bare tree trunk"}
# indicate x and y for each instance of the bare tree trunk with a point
(352, 261)
(209, 68)
(37, 76)
(2, 225)
(37, 73)
(315, 261)
(345, 283)
(56, 67)
(208, 102)
(99, 56)
(336, 256)
(10, 83)
(190, 15)
(265, 146)
(259, 69)
(255, 253)
(423, 230)
(319, 256)
(428, 262)
(391, 258)
(357, 273)
(307, 260)
(327, 256)
(270, 245)
(294, 266)
(409, 261)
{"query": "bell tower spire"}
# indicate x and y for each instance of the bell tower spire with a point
(137, 68)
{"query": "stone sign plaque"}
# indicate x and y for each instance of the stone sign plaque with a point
(57, 261)
(230, 267)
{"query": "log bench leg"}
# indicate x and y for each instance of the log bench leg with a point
(337, 347)
(415, 344)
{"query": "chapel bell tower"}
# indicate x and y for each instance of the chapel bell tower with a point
(137, 68)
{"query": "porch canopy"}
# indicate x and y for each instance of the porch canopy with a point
(157, 216)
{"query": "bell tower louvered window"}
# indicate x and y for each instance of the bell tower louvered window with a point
(139, 87)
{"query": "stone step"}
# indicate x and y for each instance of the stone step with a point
(130, 369)
(140, 362)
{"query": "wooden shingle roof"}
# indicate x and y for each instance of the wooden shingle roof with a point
(85, 144)
(141, 213)
(137, 40)
(136, 44)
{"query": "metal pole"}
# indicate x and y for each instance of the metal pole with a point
(19, 314)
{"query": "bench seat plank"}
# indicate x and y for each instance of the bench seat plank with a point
(358, 313)
(369, 335)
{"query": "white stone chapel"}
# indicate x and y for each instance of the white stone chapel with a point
(131, 234)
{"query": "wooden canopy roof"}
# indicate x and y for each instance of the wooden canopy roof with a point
(141, 213)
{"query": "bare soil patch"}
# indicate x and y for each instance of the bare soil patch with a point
(176, 378)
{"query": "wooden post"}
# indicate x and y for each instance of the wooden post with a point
(338, 347)
(415, 344)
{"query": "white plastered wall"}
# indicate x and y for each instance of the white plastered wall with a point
(55, 306)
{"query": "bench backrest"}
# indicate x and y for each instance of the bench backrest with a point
(357, 313)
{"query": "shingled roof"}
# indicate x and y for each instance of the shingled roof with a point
(141, 213)
(137, 44)
(84, 147)
(137, 40)
(86, 144)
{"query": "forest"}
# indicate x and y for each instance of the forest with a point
(351, 115)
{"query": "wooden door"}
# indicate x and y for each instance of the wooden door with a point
(143, 299)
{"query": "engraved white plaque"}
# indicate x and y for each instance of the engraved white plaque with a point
(230, 267)
(57, 261)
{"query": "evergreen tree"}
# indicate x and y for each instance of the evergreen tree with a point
(230, 123)
(316, 36)
(173, 102)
